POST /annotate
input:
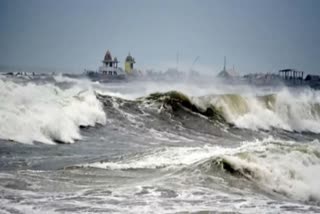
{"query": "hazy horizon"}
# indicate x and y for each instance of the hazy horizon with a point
(256, 36)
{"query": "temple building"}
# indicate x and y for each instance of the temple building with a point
(109, 70)
(110, 65)
(128, 66)
(109, 62)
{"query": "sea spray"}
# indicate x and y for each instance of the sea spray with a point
(292, 111)
(286, 110)
(46, 113)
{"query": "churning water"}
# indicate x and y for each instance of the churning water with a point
(73, 146)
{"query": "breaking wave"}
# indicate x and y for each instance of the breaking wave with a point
(282, 110)
(50, 113)
(46, 113)
(286, 168)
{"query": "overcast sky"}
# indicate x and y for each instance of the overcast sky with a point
(255, 35)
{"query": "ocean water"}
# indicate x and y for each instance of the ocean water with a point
(75, 146)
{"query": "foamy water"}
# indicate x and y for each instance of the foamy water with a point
(292, 111)
(46, 113)
(157, 153)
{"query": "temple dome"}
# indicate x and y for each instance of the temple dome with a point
(129, 58)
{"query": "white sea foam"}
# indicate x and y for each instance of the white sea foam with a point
(173, 157)
(287, 168)
(165, 157)
(282, 167)
(245, 106)
(292, 111)
(45, 113)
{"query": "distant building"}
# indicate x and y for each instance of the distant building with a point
(313, 81)
(311, 77)
(227, 74)
(128, 65)
(291, 74)
(108, 71)
(110, 66)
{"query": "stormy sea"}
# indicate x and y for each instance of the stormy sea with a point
(74, 146)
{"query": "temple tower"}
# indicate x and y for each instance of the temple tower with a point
(128, 67)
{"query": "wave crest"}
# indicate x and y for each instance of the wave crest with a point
(286, 168)
(289, 169)
(283, 110)
(176, 101)
(46, 113)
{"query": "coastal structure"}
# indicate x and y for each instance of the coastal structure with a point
(110, 66)
(227, 74)
(287, 77)
(312, 77)
(128, 66)
(313, 81)
(108, 71)
(291, 74)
